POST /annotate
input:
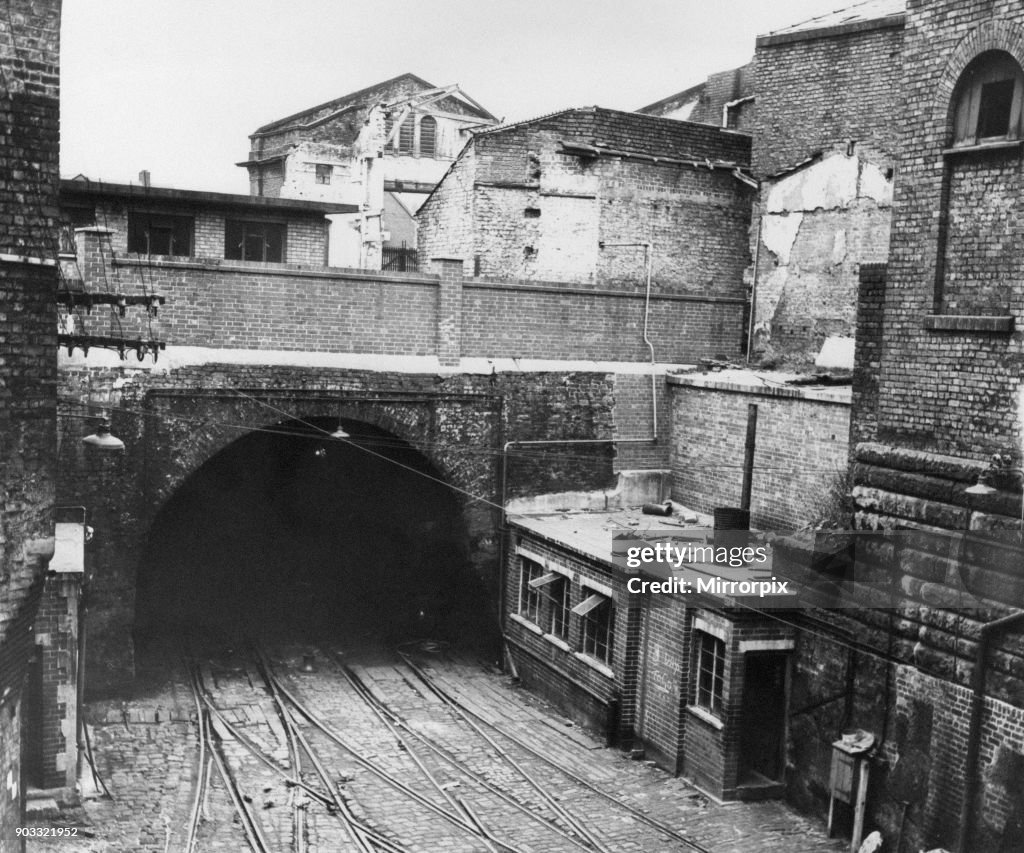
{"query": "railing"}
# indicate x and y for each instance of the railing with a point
(399, 259)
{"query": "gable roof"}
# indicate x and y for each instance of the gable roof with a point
(367, 97)
(597, 130)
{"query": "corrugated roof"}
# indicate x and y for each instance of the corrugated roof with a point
(868, 10)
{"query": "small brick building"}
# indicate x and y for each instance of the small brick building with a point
(696, 683)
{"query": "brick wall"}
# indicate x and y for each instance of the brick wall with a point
(515, 206)
(236, 304)
(867, 352)
(824, 146)
(29, 43)
(554, 670)
(634, 419)
(57, 638)
(305, 241)
(953, 391)
(800, 451)
(816, 91)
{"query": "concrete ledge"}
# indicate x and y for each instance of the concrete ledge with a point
(968, 323)
(749, 382)
(595, 664)
(217, 265)
(705, 716)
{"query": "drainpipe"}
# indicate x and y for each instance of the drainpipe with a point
(753, 291)
(985, 637)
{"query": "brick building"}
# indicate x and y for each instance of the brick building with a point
(381, 149)
(576, 196)
(696, 683)
(824, 147)
(937, 394)
(725, 99)
(29, 42)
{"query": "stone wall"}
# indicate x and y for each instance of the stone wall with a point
(173, 422)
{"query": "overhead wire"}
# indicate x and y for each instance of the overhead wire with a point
(583, 457)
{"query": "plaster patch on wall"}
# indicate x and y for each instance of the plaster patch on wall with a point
(839, 247)
(875, 185)
(778, 234)
(827, 184)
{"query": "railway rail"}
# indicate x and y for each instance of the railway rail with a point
(466, 782)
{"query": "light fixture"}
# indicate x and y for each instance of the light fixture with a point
(1001, 474)
(982, 487)
(339, 432)
(102, 439)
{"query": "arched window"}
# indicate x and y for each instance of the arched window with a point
(988, 100)
(428, 136)
(405, 135)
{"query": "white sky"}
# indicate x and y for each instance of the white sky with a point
(176, 86)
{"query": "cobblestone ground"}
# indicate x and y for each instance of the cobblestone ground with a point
(147, 753)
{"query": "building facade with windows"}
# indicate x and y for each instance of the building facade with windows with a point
(382, 148)
(698, 684)
(147, 222)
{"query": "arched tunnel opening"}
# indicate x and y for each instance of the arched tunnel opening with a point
(288, 531)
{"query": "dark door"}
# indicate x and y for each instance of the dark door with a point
(763, 725)
(32, 724)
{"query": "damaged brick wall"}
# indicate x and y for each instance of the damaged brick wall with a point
(824, 148)
(29, 104)
(538, 213)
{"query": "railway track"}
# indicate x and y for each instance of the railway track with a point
(381, 758)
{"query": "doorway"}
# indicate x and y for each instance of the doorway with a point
(763, 717)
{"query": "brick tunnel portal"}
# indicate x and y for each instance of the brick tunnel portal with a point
(287, 530)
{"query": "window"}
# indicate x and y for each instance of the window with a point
(324, 172)
(558, 615)
(710, 672)
(406, 132)
(254, 241)
(988, 100)
(428, 136)
(529, 590)
(598, 626)
(160, 234)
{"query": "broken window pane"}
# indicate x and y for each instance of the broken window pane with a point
(254, 241)
(160, 234)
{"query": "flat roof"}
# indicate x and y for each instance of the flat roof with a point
(84, 188)
(589, 533)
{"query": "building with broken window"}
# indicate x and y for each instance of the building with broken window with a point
(381, 149)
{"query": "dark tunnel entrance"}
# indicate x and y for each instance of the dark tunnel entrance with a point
(290, 531)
